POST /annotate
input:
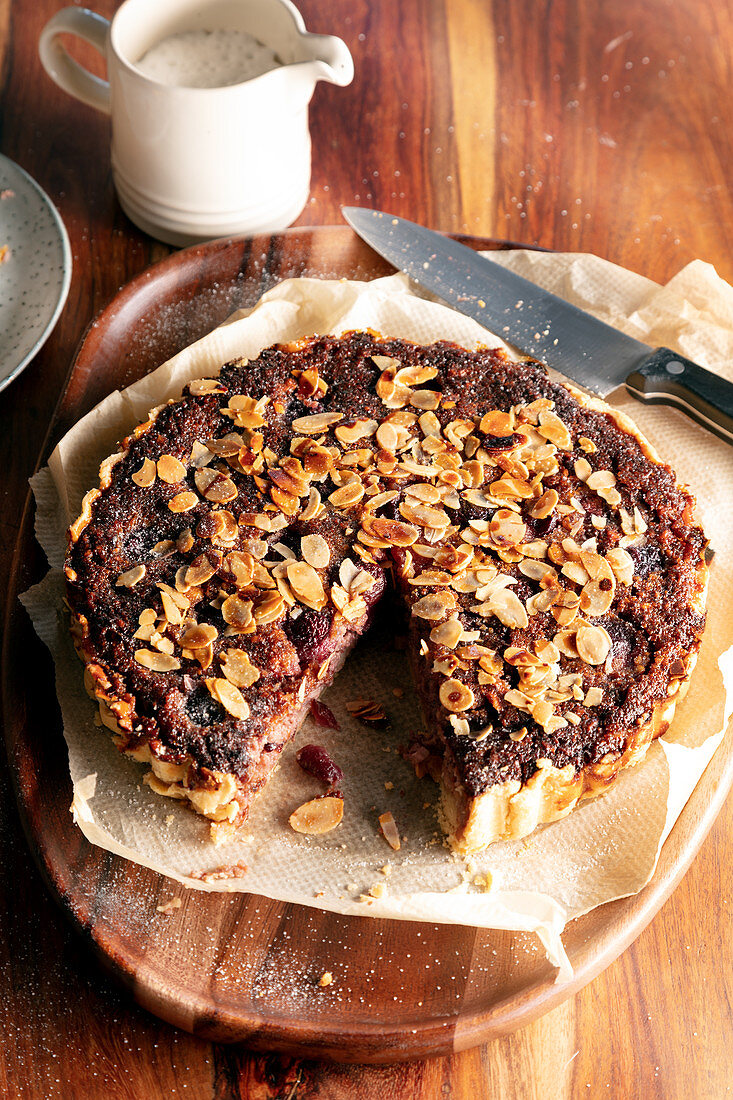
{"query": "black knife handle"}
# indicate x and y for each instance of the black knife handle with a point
(668, 378)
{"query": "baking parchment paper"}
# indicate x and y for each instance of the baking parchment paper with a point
(607, 848)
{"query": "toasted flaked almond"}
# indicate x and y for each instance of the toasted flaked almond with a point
(497, 424)
(552, 428)
(424, 492)
(220, 490)
(145, 476)
(593, 696)
(170, 469)
(424, 515)
(313, 506)
(315, 551)
(426, 400)
(183, 502)
(306, 585)
(237, 612)
(415, 376)
(565, 608)
(352, 433)
(172, 611)
(245, 411)
(316, 423)
(622, 564)
(200, 455)
(390, 832)
(597, 597)
(269, 608)
(201, 569)
(456, 696)
(507, 528)
(508, 608)
(387, 436)
(130, 577)
(583, 469)
(545, 505)
(230, 697)
(318, 816)
(156, 661)
(226, 446)
(435, 606)
(199, 635)
(241, 565)
(238, 669)
(447, 634)
(347, 495)
(199, 386)
(601, 479)
(433, 577)
(593, 644)
(478, 499)
(392, 531)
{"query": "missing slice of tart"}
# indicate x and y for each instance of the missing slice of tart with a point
(551, 568)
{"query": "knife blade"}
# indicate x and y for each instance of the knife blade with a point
(540, 324)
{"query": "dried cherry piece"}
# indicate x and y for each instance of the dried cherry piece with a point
(324, 716)
(315, 760)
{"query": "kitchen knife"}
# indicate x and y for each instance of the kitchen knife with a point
(544, 326)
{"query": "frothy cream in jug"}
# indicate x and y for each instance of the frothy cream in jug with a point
(207, 59)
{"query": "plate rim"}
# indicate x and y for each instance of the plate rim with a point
(66, 271)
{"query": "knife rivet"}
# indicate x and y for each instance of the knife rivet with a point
(675, 367)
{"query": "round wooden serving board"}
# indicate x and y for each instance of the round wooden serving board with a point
(239, 967)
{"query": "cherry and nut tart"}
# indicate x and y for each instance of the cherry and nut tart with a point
(550, 568)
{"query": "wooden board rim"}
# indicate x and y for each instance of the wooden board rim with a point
(377, 1042)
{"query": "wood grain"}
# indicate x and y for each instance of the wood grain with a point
(650, 166)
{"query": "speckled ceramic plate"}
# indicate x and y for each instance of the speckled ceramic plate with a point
(35, 275)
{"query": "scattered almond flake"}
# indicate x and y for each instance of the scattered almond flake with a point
(131, 577)
(199, 635)
(435, 606)
(386, 870)
(307, 585)
(390, 832)
(170, 469)
(378, 890)
(325, 979)
(318, 816)
(593, 696)
(183, 502)
(447, 634)
(593, 644)
(145, 476)
(518, 735)
(238, 669)
(155, 661)
(169, 906)
(315, 551)
(366, 710)
(230, 698)
(316, 423)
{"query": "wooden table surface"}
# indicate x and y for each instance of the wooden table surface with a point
(574, 124)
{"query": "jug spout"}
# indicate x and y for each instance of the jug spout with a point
(332, 60)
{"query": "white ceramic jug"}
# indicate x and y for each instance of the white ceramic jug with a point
(190, 164)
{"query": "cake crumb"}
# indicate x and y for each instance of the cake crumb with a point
(389, 785)
(386, 870)
(325, 979)
(169, 906)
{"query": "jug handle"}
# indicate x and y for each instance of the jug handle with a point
(332, 58)
(63, 69)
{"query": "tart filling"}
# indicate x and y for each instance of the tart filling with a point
(550, 567)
